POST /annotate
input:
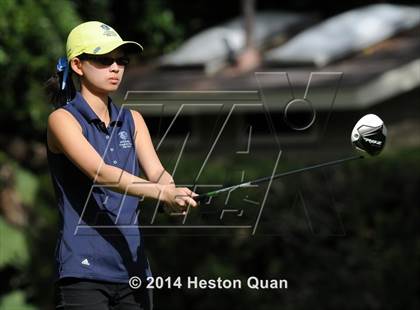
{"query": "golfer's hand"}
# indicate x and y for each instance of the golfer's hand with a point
(177, 199)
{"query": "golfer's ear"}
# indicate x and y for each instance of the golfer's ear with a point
(76, 66)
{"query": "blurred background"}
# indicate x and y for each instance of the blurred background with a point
(345, 237)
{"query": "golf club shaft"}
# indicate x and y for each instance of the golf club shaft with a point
(203, 197)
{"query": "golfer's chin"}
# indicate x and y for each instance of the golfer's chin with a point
(112, 88)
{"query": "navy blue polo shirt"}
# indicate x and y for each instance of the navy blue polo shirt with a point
(99, 234)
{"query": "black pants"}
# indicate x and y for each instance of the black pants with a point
(84, 294)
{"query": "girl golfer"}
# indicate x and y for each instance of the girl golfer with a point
(95, 153)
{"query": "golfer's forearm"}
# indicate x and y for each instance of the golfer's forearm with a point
(163, 178)
(123, 182)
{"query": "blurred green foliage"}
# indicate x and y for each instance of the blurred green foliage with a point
(31, 39)
(15, 301)
(159, 22)
(14, 248)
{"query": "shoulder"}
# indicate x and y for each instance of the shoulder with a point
(139, 123)
(60, 122)
(137, 117)
(136, 114)
(62, 118)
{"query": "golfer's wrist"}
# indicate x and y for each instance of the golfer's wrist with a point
(160, 192)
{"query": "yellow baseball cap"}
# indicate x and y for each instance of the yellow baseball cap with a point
(94, 38)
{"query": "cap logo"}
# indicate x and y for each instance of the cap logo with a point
(97, 49)
(108, 31)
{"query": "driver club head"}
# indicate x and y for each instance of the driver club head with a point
(369, 134)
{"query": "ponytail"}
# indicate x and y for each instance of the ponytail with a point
(59, 87)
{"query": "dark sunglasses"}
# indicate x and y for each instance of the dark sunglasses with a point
(105, 60)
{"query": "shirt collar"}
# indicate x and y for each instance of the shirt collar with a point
(84, 108)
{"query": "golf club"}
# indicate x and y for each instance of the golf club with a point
(368, 136)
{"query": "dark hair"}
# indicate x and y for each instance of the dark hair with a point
(56, 96)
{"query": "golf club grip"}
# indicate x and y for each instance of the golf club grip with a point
(200, 198)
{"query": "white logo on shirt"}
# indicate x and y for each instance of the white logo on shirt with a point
(85, 262)
(124, 141)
